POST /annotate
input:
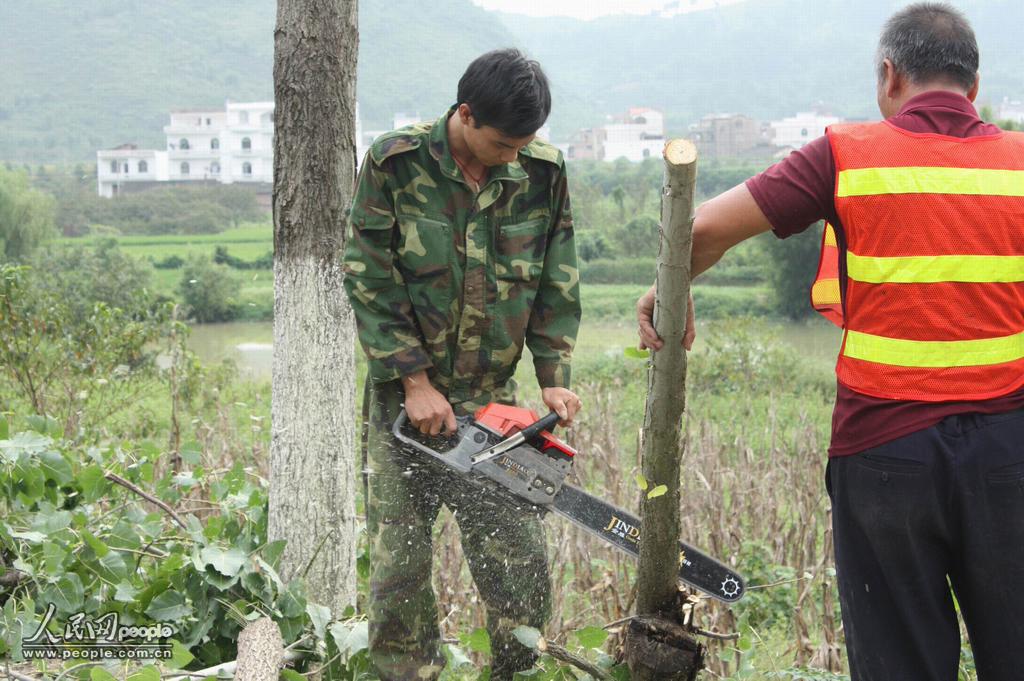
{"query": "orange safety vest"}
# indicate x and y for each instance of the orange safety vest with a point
(825, 296)
(934, 229)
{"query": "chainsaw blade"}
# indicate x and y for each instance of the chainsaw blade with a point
(527, 479)
(622, 530)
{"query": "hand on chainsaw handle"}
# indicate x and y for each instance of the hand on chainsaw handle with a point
(563, 402)
(427, 408)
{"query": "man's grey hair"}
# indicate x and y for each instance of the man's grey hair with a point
(929, 42)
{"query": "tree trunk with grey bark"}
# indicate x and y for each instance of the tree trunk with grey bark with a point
(656, 644)
(312, 455)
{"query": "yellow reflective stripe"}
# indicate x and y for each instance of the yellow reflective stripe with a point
(933, 354)
(825, 292)
(930, 180)
(830, 236)
(929, 269)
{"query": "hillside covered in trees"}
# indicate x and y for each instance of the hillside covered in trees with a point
(82, 76)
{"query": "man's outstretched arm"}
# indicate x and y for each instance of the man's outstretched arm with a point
(720, 224)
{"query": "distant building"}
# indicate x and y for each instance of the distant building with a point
(638, 135)
(731, 136)
(128, 163)
(235, 144)
(587, 143)
(798, 130)
(1011, 110)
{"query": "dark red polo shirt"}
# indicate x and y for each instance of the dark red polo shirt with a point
(799, 191)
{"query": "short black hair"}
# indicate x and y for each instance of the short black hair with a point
(506, 91)
(930, 41)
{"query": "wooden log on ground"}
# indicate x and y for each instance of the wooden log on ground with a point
(260, 651)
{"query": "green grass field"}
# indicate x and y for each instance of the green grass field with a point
(606, 302)
(247, 242)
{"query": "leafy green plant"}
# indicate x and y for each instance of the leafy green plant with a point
(210, 290)
(81, 536)
(26, 216)
(67, 359)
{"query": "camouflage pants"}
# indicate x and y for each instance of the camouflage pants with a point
(505, 552)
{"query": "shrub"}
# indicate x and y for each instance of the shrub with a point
(639, 238)
(222, 257)
(209, 290)
(200, 209)
(618, 271)
(83, 276)
(794, 262)
(26, 217)
(171, 262)
(591, 246)
(69, 356)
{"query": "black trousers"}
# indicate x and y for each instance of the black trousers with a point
(939, 508)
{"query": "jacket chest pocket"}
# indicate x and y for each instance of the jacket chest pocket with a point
(519, 250)
(425, 247)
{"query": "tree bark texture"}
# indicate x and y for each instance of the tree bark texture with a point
(260, 651)
(666, 396)
(312, 452)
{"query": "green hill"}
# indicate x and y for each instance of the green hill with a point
(765, 58)
(79, 76)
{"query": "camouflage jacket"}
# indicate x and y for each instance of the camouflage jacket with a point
(454, 282)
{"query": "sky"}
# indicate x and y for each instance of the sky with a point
(591, 9)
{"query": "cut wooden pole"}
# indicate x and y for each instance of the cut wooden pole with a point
(666, 396)
(658, 595)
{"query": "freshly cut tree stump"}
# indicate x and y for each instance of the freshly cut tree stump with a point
(260, 651)
(661, 649)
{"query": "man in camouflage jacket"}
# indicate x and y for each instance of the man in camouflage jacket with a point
(461, 251)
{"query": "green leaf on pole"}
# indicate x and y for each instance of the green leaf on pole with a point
(657, 491)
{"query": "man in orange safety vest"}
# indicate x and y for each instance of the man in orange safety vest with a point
(926, 276)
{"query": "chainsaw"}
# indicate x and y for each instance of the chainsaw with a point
(510, 454)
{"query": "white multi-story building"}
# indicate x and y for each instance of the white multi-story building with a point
(128, 163)
(250, 138)
(638, 135)
(234, 144)
(798, 130)
(194, 144)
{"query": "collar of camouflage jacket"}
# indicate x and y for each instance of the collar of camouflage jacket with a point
(442, 153)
